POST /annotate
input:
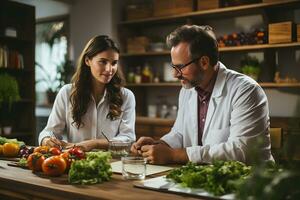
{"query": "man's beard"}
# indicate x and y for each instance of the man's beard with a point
(194, 82)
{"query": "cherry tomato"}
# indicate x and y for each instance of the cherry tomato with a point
(76, 153)
(54, 166)
(35, 161)
(54, 151)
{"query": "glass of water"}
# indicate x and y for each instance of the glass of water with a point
(134, 167)
(119, 148)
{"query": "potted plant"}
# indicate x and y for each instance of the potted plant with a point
(54, 83)
(251, 71)
(9, 94)
(250, 66)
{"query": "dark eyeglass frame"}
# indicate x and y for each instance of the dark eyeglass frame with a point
(179, 67)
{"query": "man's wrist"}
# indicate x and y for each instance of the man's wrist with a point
(179, 156)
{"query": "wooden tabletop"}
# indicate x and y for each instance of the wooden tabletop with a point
(27, 185)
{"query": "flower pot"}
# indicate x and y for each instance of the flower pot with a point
(51, 96)
(6, 130)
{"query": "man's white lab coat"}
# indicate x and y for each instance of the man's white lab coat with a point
(237, 116)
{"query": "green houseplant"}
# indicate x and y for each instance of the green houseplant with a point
(250, 66)
(53, 84)
(9, 94)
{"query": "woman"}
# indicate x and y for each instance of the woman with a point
(95, 105)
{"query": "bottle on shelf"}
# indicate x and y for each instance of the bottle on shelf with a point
(146, 74)
(152, 110)
(130, 76)
(173, 112)
(164, 112)
(138, 76)
(156, 78)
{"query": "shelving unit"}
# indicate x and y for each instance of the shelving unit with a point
(21, 18)
(270, 12)
(215, 13)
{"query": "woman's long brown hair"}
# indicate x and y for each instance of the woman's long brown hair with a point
(81, 93)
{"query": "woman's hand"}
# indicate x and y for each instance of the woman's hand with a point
(53, 142)
(88, 145)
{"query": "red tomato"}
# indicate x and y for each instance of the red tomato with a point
(35, 161)
(42, 149)
(54, 166)
(76, 153)
(54, 151)
(68, 160)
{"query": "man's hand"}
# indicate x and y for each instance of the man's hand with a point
(158, 153)
(136, 147)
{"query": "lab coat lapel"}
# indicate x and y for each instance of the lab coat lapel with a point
(193, 112)
(217, 92)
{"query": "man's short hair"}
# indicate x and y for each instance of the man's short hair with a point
(202, 41)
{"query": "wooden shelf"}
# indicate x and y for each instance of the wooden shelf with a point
(213, 12)
(223, 49)
(160, 53)
(176, 84)
(280, 85)
(263, 84)
(18, 133)
(259, 47)
(14, 39)
(25, 100)
(154, 121)
(15, 70)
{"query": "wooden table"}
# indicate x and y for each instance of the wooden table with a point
(19, 183)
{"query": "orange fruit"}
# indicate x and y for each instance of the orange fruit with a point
(1, 149)
(11, 149)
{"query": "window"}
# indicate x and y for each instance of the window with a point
(51, 55)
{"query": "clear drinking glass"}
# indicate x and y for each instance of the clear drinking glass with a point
(134, 167)
(119, 148)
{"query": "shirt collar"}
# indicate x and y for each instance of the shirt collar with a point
(208, 90)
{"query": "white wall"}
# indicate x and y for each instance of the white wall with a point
(47, 8)
(87, 19)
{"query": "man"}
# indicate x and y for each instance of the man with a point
(221, 114)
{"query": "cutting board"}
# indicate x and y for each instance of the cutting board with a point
(9, 158)
(163, 185)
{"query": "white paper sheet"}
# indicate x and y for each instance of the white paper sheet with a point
(150, 169)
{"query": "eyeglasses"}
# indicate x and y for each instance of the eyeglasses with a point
(179, 67)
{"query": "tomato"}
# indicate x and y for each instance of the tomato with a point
(66, 156)
(42, 149)
(11, 149)
(54, 151)
(76, 153)
(35, 161)
(54, 166)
